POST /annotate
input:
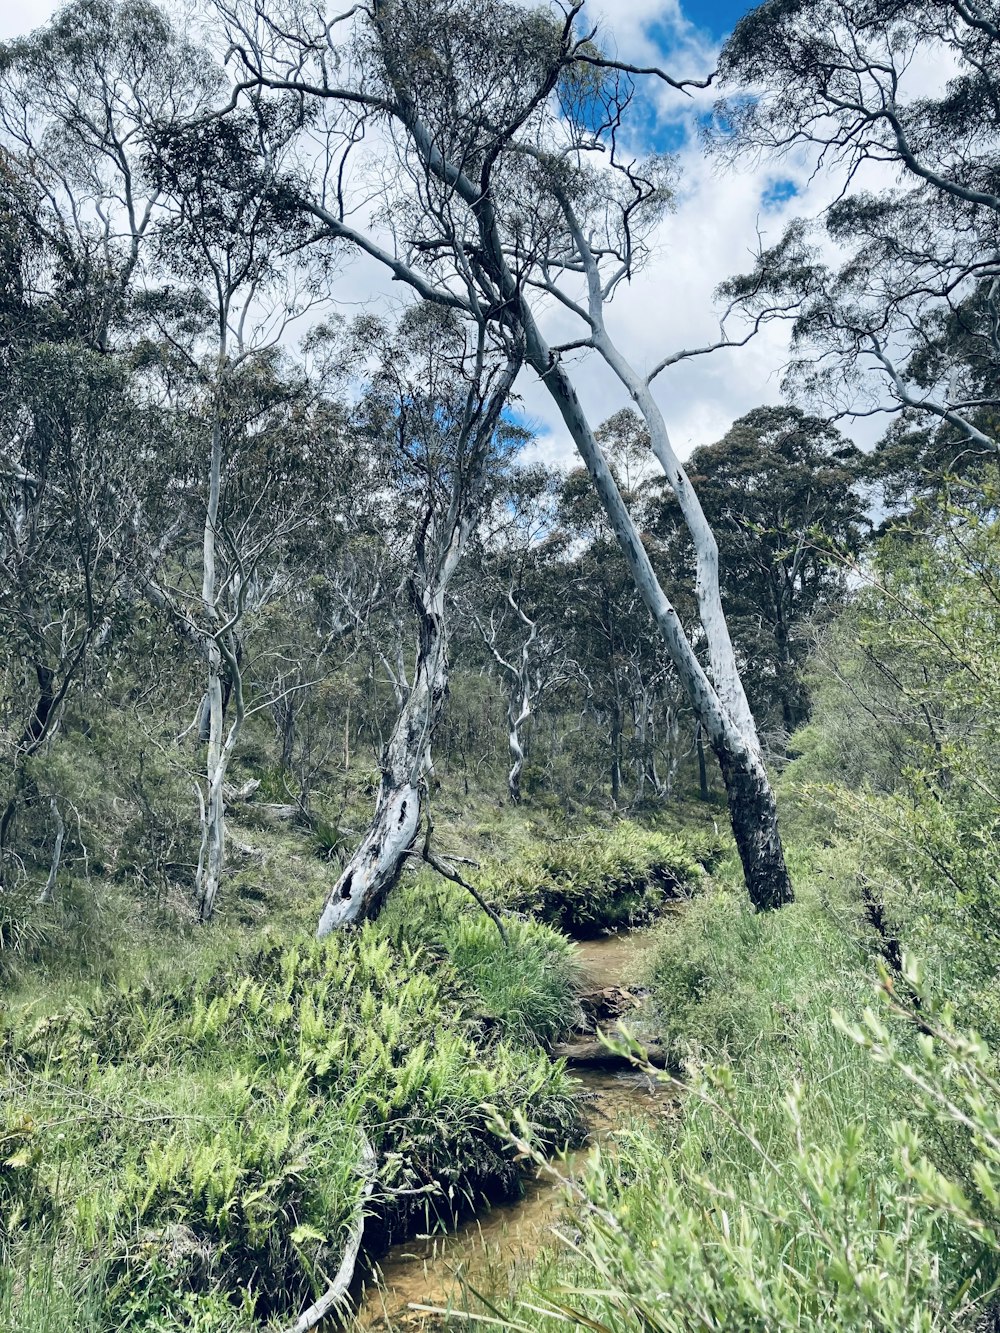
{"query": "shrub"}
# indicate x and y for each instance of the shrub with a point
(813, 1228)
(524, 987)
(600, 881)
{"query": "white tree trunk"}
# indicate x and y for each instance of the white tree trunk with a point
(48, 894)
(518, 713)
(219, 654)
(377, 863)
(211, 860)
(721, 655)
(751, 801)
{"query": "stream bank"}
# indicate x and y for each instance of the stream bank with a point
(488, 1252)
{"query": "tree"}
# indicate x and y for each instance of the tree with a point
(516, 603)
(81, 103)
(500, 115)
(229, 233)
(436, 393)
(904, 317)
(69, 481)
(781, 492)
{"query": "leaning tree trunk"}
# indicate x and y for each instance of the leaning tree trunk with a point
(376, 865)
(751, 800)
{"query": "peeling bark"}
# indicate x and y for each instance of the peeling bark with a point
(376, 865)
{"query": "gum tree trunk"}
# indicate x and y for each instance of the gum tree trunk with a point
(518, 713)
(377, 863)
(520, 695)
(221, 653)
(751, 800)
(212, 854)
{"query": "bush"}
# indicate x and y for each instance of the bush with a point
(761, 1215)
(525, 988)
(601, 881)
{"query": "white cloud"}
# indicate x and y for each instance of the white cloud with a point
(711, 235)
(669, 305)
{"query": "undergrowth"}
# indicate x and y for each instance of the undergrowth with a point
(201, 1139)
(600, 879)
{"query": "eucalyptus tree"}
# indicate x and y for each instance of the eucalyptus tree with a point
(81, 104)
(223, 252)
(782, 491)
(82, 101)
(505, 189)
(517, 601)
(897, 286)
(434, 391)
(69, 478)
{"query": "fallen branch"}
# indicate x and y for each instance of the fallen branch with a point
(339, 1286)
(449, 872)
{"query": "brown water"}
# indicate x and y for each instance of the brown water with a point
(489, 1252)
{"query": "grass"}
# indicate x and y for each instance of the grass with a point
(599, 879)
(805, 1185)
(180, 1143)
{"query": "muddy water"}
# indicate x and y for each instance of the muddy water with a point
(488, 1252)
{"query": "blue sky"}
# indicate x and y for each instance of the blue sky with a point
(717, 17)
(709, 237)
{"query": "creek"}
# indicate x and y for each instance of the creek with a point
(488, 1252)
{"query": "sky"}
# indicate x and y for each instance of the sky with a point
(710, 235)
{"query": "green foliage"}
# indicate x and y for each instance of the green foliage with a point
(841, 1173)
(601, 880)
(525, 987)
(526, 983)
(203, 1136)
(908, 717)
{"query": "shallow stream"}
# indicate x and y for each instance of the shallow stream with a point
(489, 1250)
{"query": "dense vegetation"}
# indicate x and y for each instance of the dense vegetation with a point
(836, 1159)
(331, 718)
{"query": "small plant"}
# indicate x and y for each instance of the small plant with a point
(819, 1227)
(204, 1136)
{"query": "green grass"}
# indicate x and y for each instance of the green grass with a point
(182, 1148)
(792, 1192)
(599, 879)
(524, 987)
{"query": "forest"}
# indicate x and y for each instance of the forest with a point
(449, 879)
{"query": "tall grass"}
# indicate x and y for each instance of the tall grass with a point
(599, 879)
